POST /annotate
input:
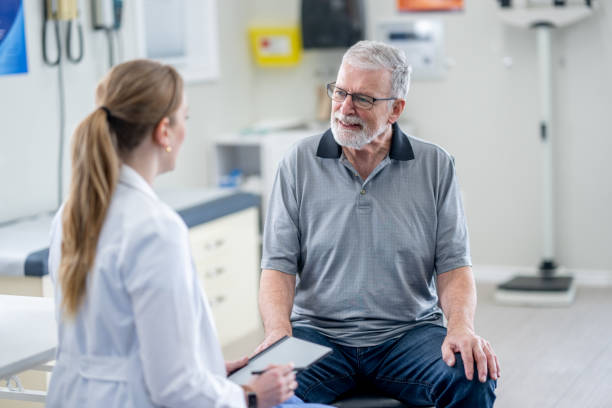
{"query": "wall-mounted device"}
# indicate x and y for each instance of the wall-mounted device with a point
(332, 23)
(55, 11)
(276, 46)
(55, 14)
(62, 9)
(423, 42)
(106, 14)
(429, 5)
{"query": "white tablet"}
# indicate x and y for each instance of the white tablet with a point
(287, 350)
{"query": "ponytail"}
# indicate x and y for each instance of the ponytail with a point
(95, 171)
(134, 97)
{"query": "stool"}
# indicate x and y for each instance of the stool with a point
(368, 399)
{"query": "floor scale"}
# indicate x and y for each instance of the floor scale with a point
(547, 288)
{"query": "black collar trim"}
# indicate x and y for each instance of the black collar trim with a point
(401, 149)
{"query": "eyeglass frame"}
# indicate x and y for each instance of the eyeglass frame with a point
(331, 87)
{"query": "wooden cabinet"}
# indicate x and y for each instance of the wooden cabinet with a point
(226, 256)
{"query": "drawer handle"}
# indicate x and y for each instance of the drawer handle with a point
(209, 246)
(217, 300)
(215, 272)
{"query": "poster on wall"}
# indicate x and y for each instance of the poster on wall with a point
(13, 56)
(429, 5)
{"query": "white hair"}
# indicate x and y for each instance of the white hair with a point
(377, 55)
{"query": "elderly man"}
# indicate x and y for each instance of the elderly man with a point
(366, 246)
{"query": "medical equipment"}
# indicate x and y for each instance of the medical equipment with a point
(106, 15)
(22, 351)
(543, 16)
(422, 41)
(332, 23)
(55, 11)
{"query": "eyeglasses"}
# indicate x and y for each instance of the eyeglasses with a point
(359, 100)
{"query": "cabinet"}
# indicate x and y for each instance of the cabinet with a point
(223, 234)
(257, 157)
(226, 256)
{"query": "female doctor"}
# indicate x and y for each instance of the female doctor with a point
(134, 329)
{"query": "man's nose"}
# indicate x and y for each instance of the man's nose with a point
(347, 105)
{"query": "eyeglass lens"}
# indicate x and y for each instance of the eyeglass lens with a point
(339, 95)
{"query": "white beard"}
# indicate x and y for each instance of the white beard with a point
(355, 139)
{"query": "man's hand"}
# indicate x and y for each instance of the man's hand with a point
(472, 348)
(271, 337)
(231, 366)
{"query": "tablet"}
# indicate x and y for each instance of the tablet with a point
(287, 350)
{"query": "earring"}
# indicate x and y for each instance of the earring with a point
(168, 149)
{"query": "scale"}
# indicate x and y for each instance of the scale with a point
(546, 288)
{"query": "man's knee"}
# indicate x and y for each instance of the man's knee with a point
(456, 390)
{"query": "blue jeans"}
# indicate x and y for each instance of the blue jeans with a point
(295, 402)
(409, 368)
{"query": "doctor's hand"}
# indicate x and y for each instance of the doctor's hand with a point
(472, 348)
(274, 386)
(271, 337)
(231, 366)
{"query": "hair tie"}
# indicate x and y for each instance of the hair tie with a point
(108, 112)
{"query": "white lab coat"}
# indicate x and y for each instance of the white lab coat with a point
(144, 334)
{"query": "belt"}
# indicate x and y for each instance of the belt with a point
(105, 368)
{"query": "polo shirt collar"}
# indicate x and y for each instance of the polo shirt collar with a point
(401, 149)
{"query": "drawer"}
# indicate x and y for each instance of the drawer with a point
(240, 246)
(226, 257)
(237, 280)
(225, 232)
(235, 313)
(228, 266)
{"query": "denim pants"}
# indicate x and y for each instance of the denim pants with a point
(409, 368)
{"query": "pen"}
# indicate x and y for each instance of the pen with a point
(259, 372)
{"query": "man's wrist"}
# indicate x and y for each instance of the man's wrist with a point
(286, 329)
(459, 325)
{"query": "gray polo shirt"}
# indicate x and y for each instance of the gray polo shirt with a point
(365, 251)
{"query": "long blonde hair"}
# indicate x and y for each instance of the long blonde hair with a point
(133, 97)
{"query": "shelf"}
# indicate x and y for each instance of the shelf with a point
(239, 140)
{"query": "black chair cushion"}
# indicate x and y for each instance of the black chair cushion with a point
(368, 399)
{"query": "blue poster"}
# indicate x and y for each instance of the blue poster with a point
(13, 56)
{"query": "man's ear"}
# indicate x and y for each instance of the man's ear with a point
(396, 110)
(160, 132)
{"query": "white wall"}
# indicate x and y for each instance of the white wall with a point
(486, 115)
(221, 106)
(29, 115)
(29, 109)
(584, 146)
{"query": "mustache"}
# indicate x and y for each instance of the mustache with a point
(348, 119)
